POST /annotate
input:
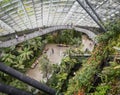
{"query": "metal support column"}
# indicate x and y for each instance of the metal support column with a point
(91, 15)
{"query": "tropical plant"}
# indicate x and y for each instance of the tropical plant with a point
(19, 63)
(25, 54)
(45, 67)
(84, 77)
(102, 89)
(37, 43)
(8, 58)
(18, 84)
(59, 77)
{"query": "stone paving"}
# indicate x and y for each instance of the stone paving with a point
(55, 58)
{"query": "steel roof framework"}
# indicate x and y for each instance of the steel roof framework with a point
(19, 15)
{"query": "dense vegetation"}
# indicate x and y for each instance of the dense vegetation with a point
(85, 78)
(68, 37)
(22, 56)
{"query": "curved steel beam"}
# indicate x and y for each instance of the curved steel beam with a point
(91, 15)
(95, 12)
(12, 90)
(18, 75)
(46, 31)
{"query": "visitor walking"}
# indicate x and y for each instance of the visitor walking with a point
(52, 51)
(24, 35)
(16, 36)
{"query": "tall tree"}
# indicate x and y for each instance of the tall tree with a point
(46, 66)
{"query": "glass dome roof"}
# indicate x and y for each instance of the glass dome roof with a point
(19, 15)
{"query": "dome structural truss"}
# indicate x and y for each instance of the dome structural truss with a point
(20, 15)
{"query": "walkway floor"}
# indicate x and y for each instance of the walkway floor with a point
(55, 58)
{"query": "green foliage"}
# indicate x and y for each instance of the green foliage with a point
(114, 29)
(110, 79)
(20, 57)
(65, 37)
(45, 66)
(60, 74)
(84, 76)
(18, 84)
(8, 58)
(83, 79)
(110, 73)
(50, 38)
(74, 51)
(102, 89)
(25, 53)
(115, 87)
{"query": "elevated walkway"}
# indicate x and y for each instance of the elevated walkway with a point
(45, 31)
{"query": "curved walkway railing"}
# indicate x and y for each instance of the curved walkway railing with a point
(46, 31)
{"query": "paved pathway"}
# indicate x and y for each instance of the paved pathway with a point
(56, 57)
(87, 43)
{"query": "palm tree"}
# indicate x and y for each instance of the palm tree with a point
(8, 58)
(27, 44)
(37, 43)
(18, 63)
(39, 40)
(33, 44)
(26, 53)
(45, 66)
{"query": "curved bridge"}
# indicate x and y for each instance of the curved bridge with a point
(46, 31)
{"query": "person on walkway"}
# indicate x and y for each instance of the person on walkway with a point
(16, 36)
(24, 35)
(90, 44)
(52, 51)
